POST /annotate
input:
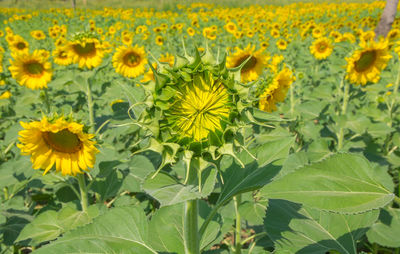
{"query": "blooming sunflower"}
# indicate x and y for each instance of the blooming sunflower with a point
(31, 70)
(199, 108)
(129, 61)
(321, 48)
(191, 31)
(85, 50)
(253, 67)
(60, 56)
(58, 142)
(38, 35)
(281, 44)
(159, 40)
(366, 63)
(17, 44)
(276, 91)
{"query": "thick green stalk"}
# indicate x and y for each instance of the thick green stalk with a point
(191, 233)
(46, 100)
(292, 99)
(394, 100)
(83, 191)
(397, 200)
(90, 106)
(343, 112)
(238, 227)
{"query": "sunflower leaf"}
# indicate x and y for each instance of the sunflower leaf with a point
(342, 183)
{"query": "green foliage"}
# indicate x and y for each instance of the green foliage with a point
(342, 183)
(299, 229)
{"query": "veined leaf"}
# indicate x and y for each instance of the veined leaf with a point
(302, 230)
(341, 183)
(386, 230)
(121, 230)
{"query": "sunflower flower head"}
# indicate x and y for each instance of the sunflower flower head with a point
(86, 50)
(274, 90)
(366, 63)
(58, 142)
(31, 70)
(321, 48)
(194, 108)
(254, 66)
(129, 61)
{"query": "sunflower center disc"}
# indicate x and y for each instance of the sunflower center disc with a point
(63, 54)
(34, 68)
(366, 60)
(88, 49)
(249, 64)
(131, 59)
(20, 45)
(322, 47)
(63, 141)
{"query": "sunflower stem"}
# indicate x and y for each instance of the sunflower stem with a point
(396, 200)
(46, 100)
(90, 106)
(343, 112)
(395, 91)
(292, 100)
(191, 233)
(83, 191)
(238, 225)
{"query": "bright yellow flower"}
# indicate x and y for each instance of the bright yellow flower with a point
(253, 67)
(276, 91)
(5, 95)
(366, 63)
(86, 52)
(200, 107)
(129, 61)
(58, 142)
(31, 70)
(321, 48)
(60, 56)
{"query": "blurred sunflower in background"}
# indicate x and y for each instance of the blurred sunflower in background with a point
(60, 142)
(366, 64)
(321, 48)
(253, 67)
(129, 61)
(86, 51)
(276, 91)
(31, 70)
(60, 56)
(38, 35)
(17, 44)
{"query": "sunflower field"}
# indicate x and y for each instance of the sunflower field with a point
(200, 129)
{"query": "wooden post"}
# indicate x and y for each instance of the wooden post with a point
(387, 18)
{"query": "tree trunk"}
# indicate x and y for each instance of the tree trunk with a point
(84, 3)
(387, 18)
(73, 4)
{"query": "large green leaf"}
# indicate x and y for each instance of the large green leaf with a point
(120, 230)
(386, 230)
(168, 191)
(342, 183)
(302, 230)
(50, 224)
(256, 173)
